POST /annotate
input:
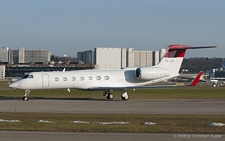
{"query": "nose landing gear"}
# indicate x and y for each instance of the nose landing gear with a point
(25, 98)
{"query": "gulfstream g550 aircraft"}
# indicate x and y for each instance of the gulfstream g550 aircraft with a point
(108, 80)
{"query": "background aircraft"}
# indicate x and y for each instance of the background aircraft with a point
(108, 80)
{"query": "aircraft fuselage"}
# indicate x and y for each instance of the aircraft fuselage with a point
(89, 79)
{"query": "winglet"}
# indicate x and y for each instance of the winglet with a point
(195, 81)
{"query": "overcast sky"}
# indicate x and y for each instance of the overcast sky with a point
(69, 26)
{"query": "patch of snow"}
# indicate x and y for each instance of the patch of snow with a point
(216, 124)
(148, 123)
(2, 120)
(105, 123)
(45, 121)
(85, 122)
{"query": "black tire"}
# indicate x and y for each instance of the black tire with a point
(25, 98)
(124, 98)
(110, 96)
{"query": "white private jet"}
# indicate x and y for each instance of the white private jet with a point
(109, 80)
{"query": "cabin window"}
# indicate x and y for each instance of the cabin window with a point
(56, 79)
(90, 78)
(81, 78)
(64, 78)
(98, 77)
(106, 77)
(73, 78)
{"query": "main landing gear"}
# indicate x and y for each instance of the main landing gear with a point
(25, 98)
(124, 95)
(109, 95)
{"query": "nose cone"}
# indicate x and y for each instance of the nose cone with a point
(13, 85)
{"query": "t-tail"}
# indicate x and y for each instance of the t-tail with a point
(173, 58)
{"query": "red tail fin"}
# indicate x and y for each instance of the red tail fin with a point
(195, 81)
(175, 51)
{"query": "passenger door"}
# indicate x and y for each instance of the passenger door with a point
(45, 80)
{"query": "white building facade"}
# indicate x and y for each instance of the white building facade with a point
(143, 58)
(108, 58)
(26, 56)
(4, 54)
(2, 72)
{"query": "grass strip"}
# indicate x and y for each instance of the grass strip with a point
(166, 93)
(63, 122)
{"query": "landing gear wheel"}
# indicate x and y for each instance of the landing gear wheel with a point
(25, 98)
(110, 96)
(124, 97)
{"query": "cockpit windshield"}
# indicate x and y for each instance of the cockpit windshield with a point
(27, 76)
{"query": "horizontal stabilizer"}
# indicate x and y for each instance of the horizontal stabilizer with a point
(178, 50)
(179, 47)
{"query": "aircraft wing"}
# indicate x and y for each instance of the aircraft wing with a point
(196, 79)
(131, 87)
(193, 83)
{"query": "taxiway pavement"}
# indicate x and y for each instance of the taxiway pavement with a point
(86, 136)
(132, 106)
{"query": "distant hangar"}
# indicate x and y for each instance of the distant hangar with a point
(117, 58)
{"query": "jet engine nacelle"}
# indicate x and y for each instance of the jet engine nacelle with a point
(151, 73)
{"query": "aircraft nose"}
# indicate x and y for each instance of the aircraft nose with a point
(13, 85)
